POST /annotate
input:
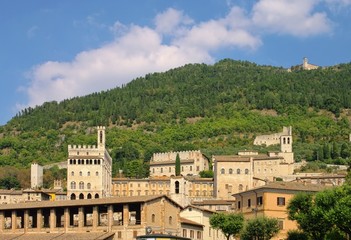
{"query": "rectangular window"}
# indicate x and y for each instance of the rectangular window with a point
(281, 224)
(259, 201)
(239, 204)
(281, 201)
(248, 203)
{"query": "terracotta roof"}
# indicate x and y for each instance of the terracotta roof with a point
(76, 157)
(214, 202)
(187, 221)
(288, 186)
(200, 208)
(80, 202)
(231, 158)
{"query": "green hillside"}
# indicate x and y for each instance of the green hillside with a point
(217, 108)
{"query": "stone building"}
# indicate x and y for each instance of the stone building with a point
(249, 169)
(182, 190)
(89, 170)
(113, 218)
(36, 176)
(192, 162)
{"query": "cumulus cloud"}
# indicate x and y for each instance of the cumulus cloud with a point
(175, 40)
(293, 17)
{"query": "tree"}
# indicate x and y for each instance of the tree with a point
(262, 228)
(206, 174)
(9, 183)
(177, 165)
(311, 220)
(229, 223)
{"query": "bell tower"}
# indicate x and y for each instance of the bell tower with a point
(101, 137)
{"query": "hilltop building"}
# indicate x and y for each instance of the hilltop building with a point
(89, 170)
(304, 66)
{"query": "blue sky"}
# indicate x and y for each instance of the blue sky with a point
(54, 50)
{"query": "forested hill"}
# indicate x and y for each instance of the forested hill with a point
(216, 108)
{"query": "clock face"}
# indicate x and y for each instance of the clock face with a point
(148, 230)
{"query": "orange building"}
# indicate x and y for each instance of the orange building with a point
(271, 200)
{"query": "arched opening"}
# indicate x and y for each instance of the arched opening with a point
(96, 195)
(100, 136)
(81, 196)
(89, 196)
(176, 187)
(73, 196)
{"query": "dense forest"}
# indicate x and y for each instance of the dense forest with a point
(218, 109)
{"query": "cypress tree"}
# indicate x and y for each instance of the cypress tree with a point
(177, 165)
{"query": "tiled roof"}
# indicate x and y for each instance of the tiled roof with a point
(170, 162)
(80, 202)
(187, 221)
(231, 158)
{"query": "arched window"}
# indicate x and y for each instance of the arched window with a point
(288, 140)
(170, 220)
(246, 171)
(81, 185)
(88, 185)
(89, 196)
(97, 173)
(73, 196)
(96, 195)
(238, 171)
(241, 187)
(81, 196)
(72, 173)
(230, 171)
(176, 187)
(222, 171)
(284, 141)
(73, 185)
(88, 173)
(80, 173)
(153, 218)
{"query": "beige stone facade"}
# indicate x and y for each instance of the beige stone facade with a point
(120, 217)
(192, 162)
(202, 216)
(271, 200)
(248, 169)
(181, 189)
(20, 196)
(89, 170)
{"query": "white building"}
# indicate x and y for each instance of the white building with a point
(89, 170)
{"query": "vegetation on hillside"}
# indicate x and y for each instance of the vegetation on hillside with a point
(218, 109)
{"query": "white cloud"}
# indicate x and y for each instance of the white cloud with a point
(139, 50)
(292, 17)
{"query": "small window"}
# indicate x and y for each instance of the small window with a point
(238, 171)
(88, 185)
(81, 185)
(170, 221)
(259, 201)
(248, 203)
(72, 173)
(222, 171)
(153, 218)
(281, 201)
(246, 171)
(80, 173)
(239, 204)
(88, 173)
(97, 173)
(230, 171)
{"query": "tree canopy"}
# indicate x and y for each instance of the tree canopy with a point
(229, 223)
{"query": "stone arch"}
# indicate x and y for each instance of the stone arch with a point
(81, 196)
(73, 196)
(96, 195)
